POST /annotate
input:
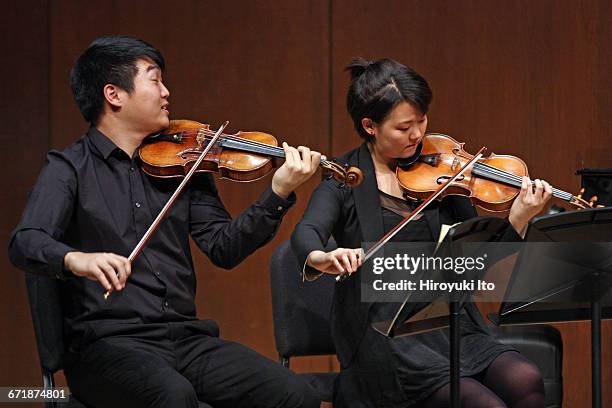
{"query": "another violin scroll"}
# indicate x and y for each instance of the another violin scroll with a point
(581, 203)
(345, 175)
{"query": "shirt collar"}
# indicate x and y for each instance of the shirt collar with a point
(102, 143)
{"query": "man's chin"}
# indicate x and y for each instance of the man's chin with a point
(163, 124)
(156, 129)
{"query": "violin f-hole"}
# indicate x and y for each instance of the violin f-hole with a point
(442, 179)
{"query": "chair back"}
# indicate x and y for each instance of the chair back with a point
(47, 318)
(301, 310)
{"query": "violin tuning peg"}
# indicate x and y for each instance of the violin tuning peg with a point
(579, 196)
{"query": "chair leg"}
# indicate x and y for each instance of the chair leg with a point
(48, 383)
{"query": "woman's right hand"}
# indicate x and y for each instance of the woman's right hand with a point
(336, 262)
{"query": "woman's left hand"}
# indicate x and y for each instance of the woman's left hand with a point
(529, 203)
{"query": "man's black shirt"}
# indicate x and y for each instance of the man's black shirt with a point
(92, 197)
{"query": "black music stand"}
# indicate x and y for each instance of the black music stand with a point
(579, 287)
(409, 321)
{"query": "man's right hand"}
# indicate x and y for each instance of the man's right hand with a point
(104, 267)
(336, 262)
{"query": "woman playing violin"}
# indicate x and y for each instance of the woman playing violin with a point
(388, 104)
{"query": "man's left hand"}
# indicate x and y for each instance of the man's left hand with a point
(300, 164)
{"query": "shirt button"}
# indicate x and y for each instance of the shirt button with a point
(137, 204)
(132, 168)
(279, 208)
(157, 273)
(166, 303)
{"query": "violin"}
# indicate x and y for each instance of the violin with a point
(440, 167)
(492, 183)
(187, 147)
(244, 156)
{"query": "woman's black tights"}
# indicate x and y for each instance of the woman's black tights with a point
(510, 381)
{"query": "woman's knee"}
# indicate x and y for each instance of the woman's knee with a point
(517, 380)
(525, 375)
(533, 376)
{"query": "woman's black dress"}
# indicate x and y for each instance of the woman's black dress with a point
(422, 360)
(378, 371)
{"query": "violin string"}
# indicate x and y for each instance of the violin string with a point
(505, 176)
(274, 150)
(514, 179)
(208, 132)
(496, 173)
(517, 181)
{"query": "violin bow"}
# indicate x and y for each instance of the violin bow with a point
(374, 249)
(171, 201)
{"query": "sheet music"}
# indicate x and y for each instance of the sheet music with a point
(443, 233)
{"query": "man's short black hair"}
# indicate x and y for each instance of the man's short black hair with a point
(107, 60)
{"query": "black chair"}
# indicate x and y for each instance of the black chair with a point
(301, 316)
(45, 306)
(301, 327)
(543, 345)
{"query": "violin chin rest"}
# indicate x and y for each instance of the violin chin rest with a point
(409, 161)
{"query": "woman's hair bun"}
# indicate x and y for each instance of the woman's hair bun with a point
(358, 66)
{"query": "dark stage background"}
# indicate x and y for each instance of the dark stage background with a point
(529, 78)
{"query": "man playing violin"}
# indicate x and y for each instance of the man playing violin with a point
(144, 346)
(388, 104)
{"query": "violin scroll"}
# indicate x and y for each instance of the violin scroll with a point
(345, 175)
(582, 204)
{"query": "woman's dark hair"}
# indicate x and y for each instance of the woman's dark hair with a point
(107, 60)
(379, 86)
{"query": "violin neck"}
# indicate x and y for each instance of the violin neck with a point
(255, 147)
(252, 147)
(491, 173)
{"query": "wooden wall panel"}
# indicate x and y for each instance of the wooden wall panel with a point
(24, 140)
(521, 77)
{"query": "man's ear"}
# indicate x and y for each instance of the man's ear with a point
(113, 95)
(369, 126)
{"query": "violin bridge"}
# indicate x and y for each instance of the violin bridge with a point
(456, 164)
(201, 137)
